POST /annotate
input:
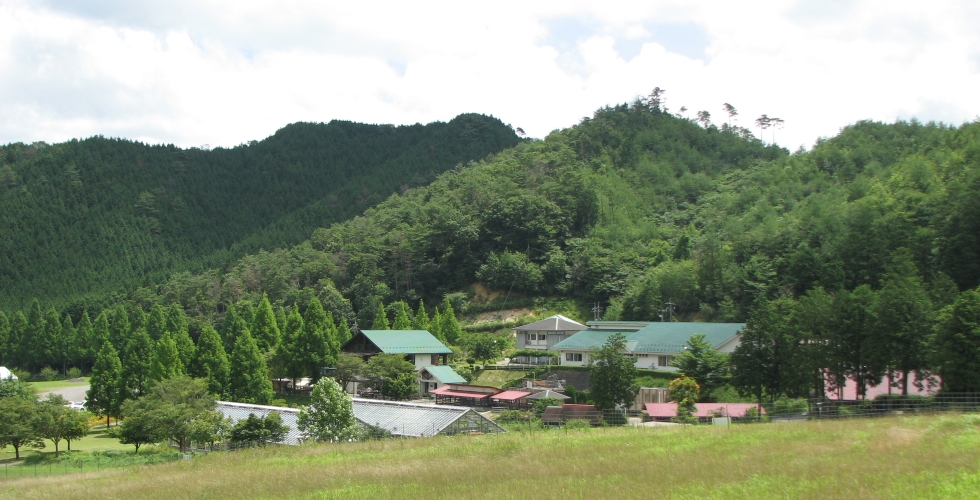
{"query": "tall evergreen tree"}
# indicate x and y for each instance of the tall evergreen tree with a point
(435, 326)
(758, 361)
(137, 318)
(104, 396)
(28, 342)
(249, 379)
(67, 341)
(100, 332)
(4, 338)
(343, 332)
(903, 319)
(852, 341)
(293, 352)
(380, 318)
(332, 337)
(265, 328)
(402, 321)
(211, 362)
(120, 329)
(156, 324)
(46, 347)
(18, 330)
(421, 319)
(179, 328)
(450, 328)
(319, 336)
(136, 363)
(166, 360)
(958, 343)
(232, 327)
(85, 352)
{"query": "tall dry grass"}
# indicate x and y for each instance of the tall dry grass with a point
(910, 457)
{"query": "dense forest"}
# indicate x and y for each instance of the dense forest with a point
(86, 221)
(875, 229)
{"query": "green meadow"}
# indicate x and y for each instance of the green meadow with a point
(898, 457)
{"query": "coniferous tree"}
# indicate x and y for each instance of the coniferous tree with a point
(104, 396)
(903, 319)
(4, 338)
(332, 337)
(179, 329)
(100, 332)
(46, 347)
(67, 342)
(402, 321)
(232, 327)
(137, 319)
(318, 337)
(265, 328)
(958, 343)
(294, 353)
(136, 363)
(380, 318)
(435, 326)
(120, 329)
(84, 349)
(166, 360)
(450, 328)
(18, 330)
(35, 331)
(343, 332)
(421, 319)
(211, 362)
(249, 378)
(156, 324)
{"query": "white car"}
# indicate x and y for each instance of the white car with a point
(76, 405)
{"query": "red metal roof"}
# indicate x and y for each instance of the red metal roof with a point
(511, 395)
(664, 410)
(449, 392)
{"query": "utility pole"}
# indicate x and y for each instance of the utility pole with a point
(597, 311)
(667, 313)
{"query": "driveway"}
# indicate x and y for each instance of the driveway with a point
(74, 393)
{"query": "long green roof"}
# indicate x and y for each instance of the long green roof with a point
(650, 337)
(445, 374)
(406, 342)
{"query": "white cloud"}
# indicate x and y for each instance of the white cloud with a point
(227, 72)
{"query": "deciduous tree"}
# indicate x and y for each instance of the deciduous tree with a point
(330, 415)
(612, 374)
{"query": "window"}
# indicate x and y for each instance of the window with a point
(573, 356)
(664, 360)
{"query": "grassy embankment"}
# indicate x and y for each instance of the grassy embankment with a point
(900, 457)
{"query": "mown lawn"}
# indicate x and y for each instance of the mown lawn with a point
(52, 385)
(96, 440)
(899, 457)
(498, 378)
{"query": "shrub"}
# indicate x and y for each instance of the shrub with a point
(514, 417)
(577, 423)
(47, 373)
(74, 373)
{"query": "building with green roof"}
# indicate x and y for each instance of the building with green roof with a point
(653, 345)
(419, 347)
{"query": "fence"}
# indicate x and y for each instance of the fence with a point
(89, 464)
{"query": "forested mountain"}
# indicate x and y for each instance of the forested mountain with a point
(87, 218)
(855, 259)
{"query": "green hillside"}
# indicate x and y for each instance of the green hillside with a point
(635, 207)
(86, 218)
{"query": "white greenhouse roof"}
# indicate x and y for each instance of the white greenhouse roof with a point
(421, 420)
(289, 416)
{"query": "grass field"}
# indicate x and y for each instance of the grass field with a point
(96, 440)
(899, 457)
(497, 378)
(57, 384)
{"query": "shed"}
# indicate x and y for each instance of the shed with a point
(434, 377)
(465, 394)
(560, 414)
(511, 399)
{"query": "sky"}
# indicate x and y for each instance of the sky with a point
(222, 73)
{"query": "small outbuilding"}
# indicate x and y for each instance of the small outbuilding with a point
(667, 411)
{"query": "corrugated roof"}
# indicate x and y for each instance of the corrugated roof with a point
(416, 420)
(510, 395)
(406, 342)
(548, 393)
(241, 411)
(554, 323)
(651, 337)
(449, 391)
(445, 374)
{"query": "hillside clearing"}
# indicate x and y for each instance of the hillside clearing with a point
(909, 457)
